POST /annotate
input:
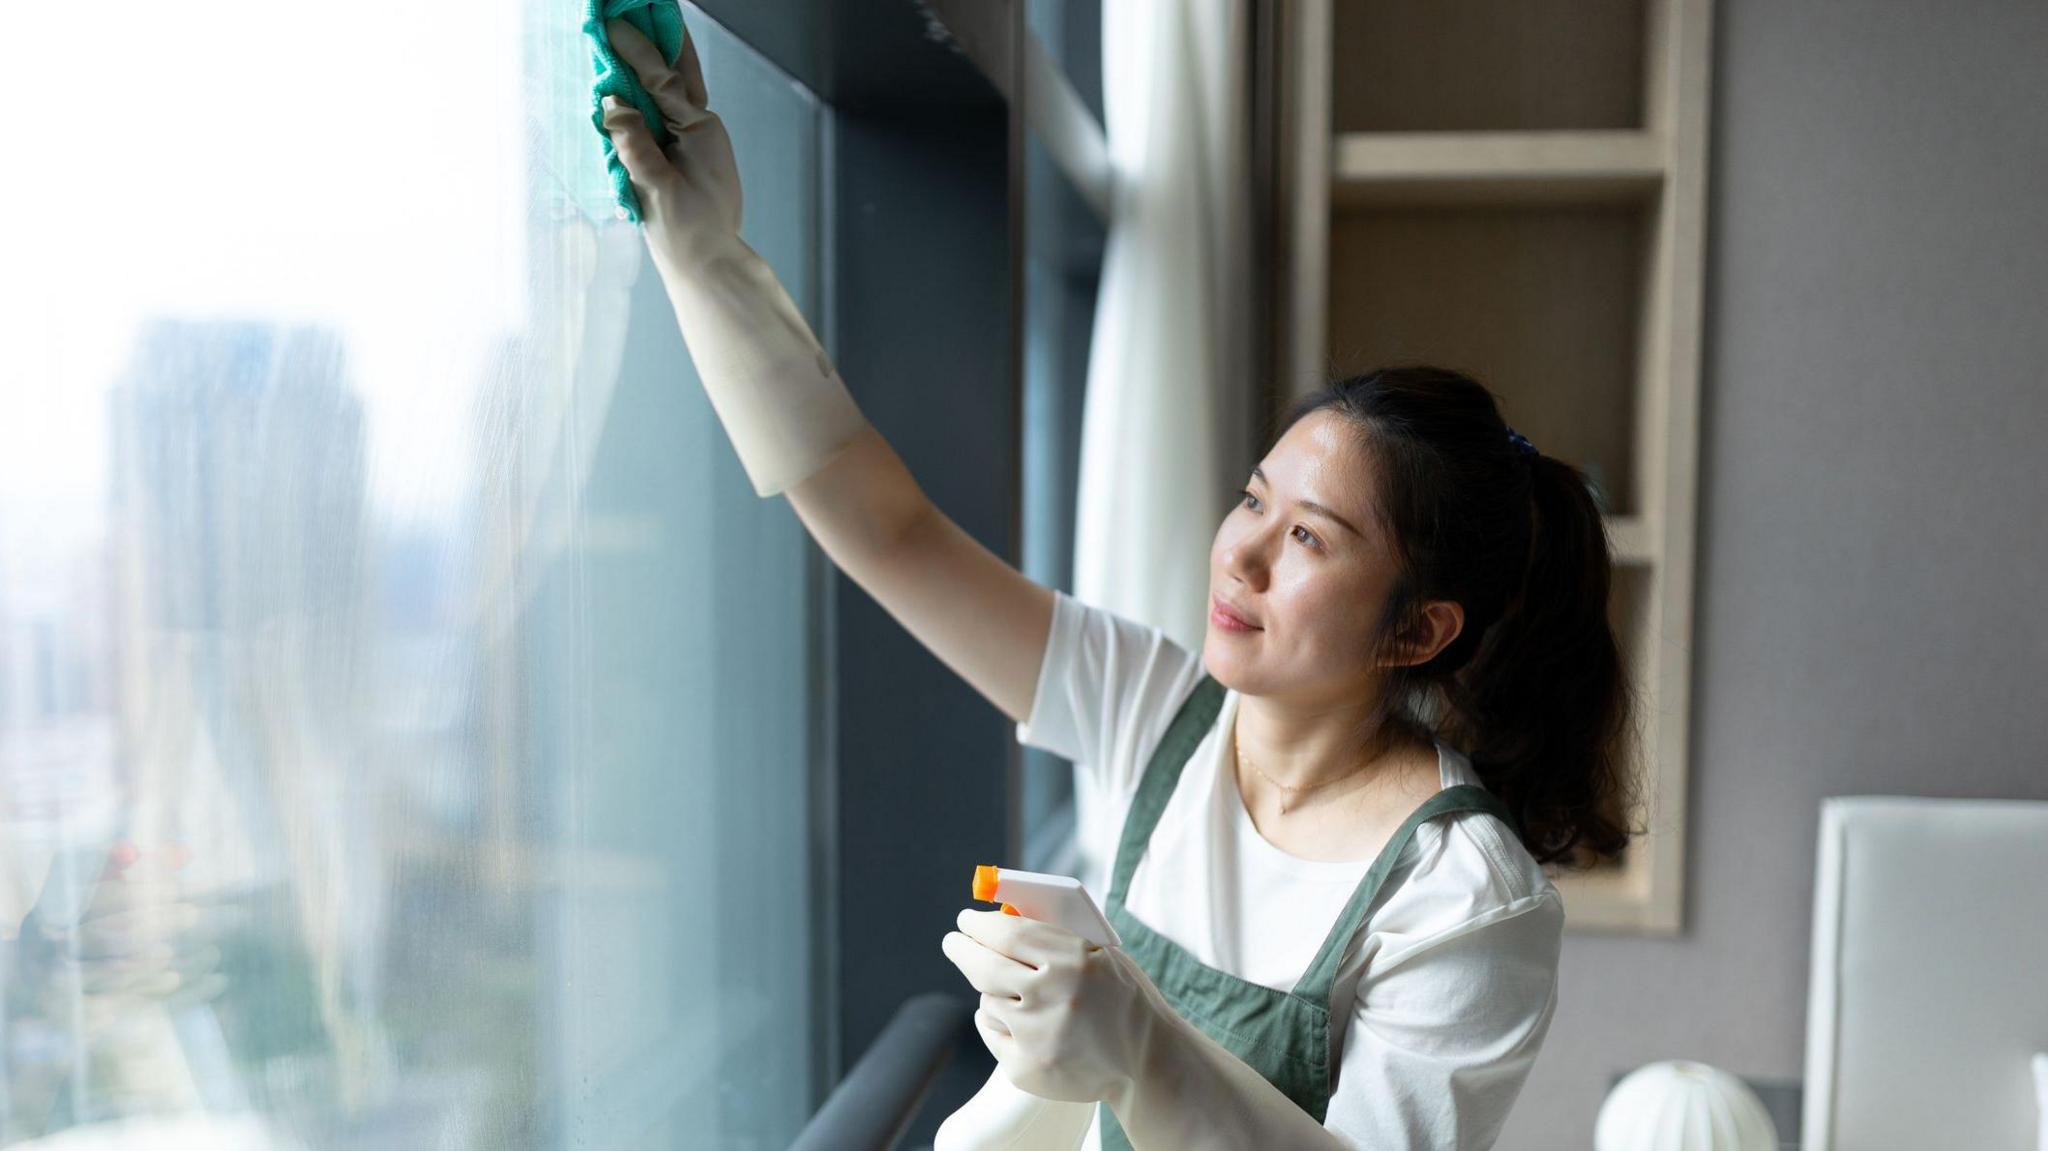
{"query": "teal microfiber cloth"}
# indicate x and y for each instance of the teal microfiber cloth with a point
(662, 22)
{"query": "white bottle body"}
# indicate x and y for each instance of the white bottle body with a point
(1003, 1116)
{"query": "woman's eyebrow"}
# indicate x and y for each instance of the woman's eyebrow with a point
(1316, 508)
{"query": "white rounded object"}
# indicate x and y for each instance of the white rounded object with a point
(1678, 1105)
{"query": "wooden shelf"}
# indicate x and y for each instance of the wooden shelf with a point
(1414, 168)
(1542, 303)
(1612, 899)
(1484, 66)
(1520, 192)
(1634, 540)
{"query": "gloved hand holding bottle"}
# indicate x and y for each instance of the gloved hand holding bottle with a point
(783, 405)
(1068, 1019)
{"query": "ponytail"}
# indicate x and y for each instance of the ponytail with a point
(1546, 693)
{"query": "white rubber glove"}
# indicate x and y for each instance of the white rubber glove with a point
(784, 407)
(1067, 1019)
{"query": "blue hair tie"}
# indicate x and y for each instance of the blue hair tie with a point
(1521, 442)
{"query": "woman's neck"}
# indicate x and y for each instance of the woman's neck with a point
(1299, 747)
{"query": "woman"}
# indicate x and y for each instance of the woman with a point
(1337, 928)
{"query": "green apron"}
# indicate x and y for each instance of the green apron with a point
(1285, 1035)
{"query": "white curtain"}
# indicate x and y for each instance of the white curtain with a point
(1169, 370)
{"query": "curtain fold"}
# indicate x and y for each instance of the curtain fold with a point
(1169, 367)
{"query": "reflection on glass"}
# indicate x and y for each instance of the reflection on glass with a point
(404, 701)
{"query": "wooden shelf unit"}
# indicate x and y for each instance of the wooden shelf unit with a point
(1519, 192)
(1499, 168)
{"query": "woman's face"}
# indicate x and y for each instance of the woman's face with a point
(1303, 558)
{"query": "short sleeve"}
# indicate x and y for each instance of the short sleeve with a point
(1439, 1043)
(1107, 689)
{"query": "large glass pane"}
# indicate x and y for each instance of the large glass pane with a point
(405, 703)
(1063, 247)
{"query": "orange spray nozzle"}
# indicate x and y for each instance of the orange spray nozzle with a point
(985, 888)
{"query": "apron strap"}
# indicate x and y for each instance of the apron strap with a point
(1190, 724)
(1316, 983)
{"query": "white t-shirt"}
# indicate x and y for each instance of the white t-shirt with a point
(1447, 991)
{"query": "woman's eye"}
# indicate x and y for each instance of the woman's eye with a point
(1304, 535)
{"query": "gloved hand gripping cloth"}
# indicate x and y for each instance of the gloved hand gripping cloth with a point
(661, 21)
(783, 405)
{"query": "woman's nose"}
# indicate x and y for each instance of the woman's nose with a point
(1246, 558)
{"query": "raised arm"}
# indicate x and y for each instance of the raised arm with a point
(789, 416)
(979, 615)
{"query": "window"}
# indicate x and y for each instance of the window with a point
(1064, 238)
(373, 564)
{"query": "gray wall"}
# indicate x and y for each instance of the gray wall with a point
(1874, 502)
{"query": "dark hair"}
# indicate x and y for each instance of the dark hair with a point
(1533, 688)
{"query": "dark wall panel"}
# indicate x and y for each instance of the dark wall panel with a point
(921, 327)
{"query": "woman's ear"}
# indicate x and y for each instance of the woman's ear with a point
(1430, 632)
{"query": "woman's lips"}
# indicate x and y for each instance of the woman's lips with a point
(1224, 619)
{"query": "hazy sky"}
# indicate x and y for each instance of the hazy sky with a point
(356, 165)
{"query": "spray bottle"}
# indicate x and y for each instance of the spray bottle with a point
(1003, 1116)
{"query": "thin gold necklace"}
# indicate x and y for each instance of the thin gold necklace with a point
(1238, 746)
